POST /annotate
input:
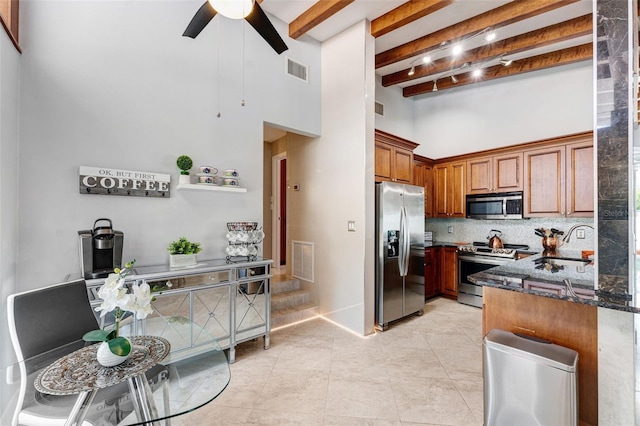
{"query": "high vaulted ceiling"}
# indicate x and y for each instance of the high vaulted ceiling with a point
(532, 34)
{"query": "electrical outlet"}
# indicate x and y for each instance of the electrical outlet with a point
(580, 234)
(450, 229)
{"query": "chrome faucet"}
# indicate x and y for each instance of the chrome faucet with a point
(568, 236)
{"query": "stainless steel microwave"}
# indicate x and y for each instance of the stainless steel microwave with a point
(505, 205)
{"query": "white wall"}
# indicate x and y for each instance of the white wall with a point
(398, 118)
(336, 182)
(524, 108)
(114, 84)
(9, 104)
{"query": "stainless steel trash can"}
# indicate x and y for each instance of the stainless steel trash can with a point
(528, 382)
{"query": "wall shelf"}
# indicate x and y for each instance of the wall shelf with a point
(197, 187)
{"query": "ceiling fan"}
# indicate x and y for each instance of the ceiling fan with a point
(250, 10)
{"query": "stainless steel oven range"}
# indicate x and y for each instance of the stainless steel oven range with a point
(479, 257)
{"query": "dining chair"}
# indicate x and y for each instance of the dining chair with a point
(55, 318)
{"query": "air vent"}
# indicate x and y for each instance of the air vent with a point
(302, 255)
(297, 70)
(379, 108)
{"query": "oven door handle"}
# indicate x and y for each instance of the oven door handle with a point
(485, 260)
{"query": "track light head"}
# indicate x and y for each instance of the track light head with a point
(454, 79)
(505, 62)
(412, 71)
(435, 86)
(426, 59)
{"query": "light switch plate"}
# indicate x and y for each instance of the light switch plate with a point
(580, 234)
(351, 226)
(450, 229)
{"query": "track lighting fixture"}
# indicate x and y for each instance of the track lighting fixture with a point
(490, 36)
(454, 79)
(435, 86)
(412, 71)
(426, 59)
(505, 62)
(477, 72)
(457, 49)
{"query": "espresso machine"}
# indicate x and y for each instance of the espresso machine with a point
(100, 249)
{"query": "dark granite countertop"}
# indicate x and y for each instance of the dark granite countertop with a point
(568, 281)
(443, 244)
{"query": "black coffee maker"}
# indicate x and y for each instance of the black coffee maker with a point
(100, 250)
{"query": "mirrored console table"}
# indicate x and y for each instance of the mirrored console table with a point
(230, 301)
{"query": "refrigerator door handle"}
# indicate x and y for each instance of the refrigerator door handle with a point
(402, 256)
(407, 242)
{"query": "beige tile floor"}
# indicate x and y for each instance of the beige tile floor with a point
(423, 370)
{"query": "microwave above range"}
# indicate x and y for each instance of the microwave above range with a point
(504, 205)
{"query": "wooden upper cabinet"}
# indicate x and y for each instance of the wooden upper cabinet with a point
(500, 173)
(508, 172)
(393, 158)
(383, 156)
(580, 179)
(422, 176)
(559, 181)
(544, 171)
(449, 189)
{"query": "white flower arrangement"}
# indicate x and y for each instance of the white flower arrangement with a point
(116, 298)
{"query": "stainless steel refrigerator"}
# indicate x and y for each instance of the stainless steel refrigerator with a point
(399, 252)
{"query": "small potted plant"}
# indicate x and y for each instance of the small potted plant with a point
(184, 163)
(182, 253)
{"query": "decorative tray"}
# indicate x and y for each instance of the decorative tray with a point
(80, 371)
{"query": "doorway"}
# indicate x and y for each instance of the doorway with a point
(279, 213)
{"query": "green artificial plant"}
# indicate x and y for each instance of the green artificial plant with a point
(184, 163)
(184, 246)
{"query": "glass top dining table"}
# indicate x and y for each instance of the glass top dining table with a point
(181, 382)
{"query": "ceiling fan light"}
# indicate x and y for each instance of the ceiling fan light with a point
(234, 9)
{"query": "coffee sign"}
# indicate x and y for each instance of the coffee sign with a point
(99, 180)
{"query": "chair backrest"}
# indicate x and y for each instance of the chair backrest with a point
(47, 318)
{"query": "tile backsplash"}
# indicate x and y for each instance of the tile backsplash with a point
(513, 231)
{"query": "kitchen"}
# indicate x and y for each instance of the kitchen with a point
(146, 143)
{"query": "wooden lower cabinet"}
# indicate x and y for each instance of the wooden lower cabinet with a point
(449, 272)
(568, 324)
(431, 280)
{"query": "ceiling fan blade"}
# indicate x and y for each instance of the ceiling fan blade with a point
(200, 20)
(258, 20)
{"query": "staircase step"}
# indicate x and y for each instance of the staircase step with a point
(285, 286)
(292, 315)
(289, 299)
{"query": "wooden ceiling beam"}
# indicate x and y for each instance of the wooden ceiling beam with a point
(315, 15)
(405, 14)
(567, 56)
(562, 31)
(514, 11)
